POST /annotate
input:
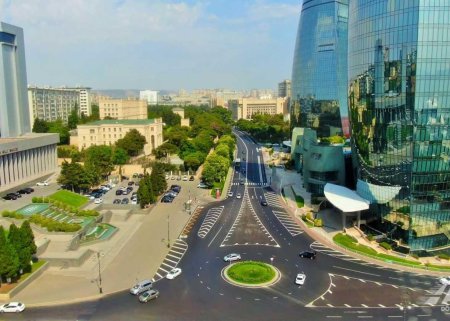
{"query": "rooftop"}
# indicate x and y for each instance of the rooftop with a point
(122, 122)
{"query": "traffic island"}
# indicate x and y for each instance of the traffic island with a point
(251, 274)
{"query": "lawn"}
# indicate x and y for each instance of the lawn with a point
(251, 272)
(298, 199)
(69, 198)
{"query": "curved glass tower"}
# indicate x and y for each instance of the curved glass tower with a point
(319, 72)
(399, 105)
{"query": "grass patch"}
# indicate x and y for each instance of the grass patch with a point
(398, 259)
(218, 185)
(69, 198)
(251, 272)
(439, 267)
(298, 199)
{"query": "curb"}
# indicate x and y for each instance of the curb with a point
(250, 286)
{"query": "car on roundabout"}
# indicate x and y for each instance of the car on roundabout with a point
(300, 279)
(445, 280)
(232, 257)
(12, 307)
(308, 255)
(173, 273)
(148, 295)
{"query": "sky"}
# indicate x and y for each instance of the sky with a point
(156, 44)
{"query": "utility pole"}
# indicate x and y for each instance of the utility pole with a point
(168, 229)
(99, 274)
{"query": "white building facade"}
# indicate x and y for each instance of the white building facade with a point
(151, 96)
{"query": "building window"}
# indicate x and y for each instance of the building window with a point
(84, 137)
(91, 131)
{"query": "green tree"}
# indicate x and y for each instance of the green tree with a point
(58, 127)
(194, 160)
(99, 159)
(120, 157)
(9, 260)
(40, 126)
(73, 119)
(76, 176)
(133, 142)
(28, 236)
(16, 239)
(165, 149)
(157, 178)
(223, 150)
(215, 168)
(145, 191)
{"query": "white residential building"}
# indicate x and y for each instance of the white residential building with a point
(151, 96)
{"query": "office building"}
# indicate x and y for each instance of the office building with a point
(399, 98)
(23, 156)
(245, 108)
(284, 88)
(123, 108)
(151, 96)
(318, 104)
(109, 131)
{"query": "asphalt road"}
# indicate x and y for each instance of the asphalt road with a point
(337, 286)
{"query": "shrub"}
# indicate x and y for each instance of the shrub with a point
(310, 216)
(87, 213)
(34, 199)
(444, 256)
(318, 222)
(386, 246)
(370, 237)
(54, 226)
(12, 214)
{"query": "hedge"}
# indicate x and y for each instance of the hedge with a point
(52, 225)
(12, 214)
(386, 246)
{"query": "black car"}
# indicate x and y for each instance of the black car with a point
(23, 191)
(117, 201)
(241, 182)
(308, 255)
(191, 178)
(125, 201)
(29, 189)
(167, 199)
(17, 194)
(10, 196)
(125, 178)
(141, 175)
(119, 192)
(263, 203)
(129, 189)
(130, 183)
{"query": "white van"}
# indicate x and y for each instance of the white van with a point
(141, 287)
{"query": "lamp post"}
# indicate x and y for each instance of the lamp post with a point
(100, 289)
(168, 229)
(405, 306)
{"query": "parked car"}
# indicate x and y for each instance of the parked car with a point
(98, 201)
(23, 191)
(130, 183)
(125, 178)
(148, 295)
(167, 177)
(171, 194)
(12, 307)
(445, 280)
(29, 189)
(167, 199)
(141, 175)
(130, 189)
(185, 178)
(173, 178)
(10, 196)
(191, 178)
(308, 254)
(44, 183)
(125, 201)
(117, 201)
(135, 175)
(202, 185)
(141, 287)
(263, 203)
(173, 273)
(178, 178)
(134, 201)
(300, 279)
(232, 257)
(119, 192)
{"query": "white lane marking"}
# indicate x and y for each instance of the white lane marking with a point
(342, 268)
(215, 236)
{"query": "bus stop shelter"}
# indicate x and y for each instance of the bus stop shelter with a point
(346, 201)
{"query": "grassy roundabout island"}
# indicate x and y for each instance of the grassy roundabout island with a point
(251, 273)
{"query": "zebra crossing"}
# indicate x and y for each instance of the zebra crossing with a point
(289, 224)
(210, 219)
(250, 184)
(171, 260)
(272, 199)
(439, 295)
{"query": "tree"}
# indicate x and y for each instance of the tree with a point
(157, 178)
(133, 142)
(18, 242)
(40, 126)
(194, 160)
(98, 158)
(73, 119)
(223, 150)
(215, 168)
(120, 157)
(28, 236)
(58, 127)
(76, 176)
(145, 191)
(164, 150)
(9, 260)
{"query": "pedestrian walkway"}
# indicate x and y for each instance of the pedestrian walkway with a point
(171, 260)
(210, 219)
(289, 224)
(250, 184)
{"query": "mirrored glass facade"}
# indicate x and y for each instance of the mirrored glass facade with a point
(319, 72)
(399, 107)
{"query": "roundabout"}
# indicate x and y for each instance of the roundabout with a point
(251, 274)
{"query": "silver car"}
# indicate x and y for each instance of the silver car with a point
(232, 257)
(148, 295)
(141, 287)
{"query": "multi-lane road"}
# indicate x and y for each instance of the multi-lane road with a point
(337, 287)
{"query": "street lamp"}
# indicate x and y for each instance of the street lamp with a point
(99, 274)
(168, 229)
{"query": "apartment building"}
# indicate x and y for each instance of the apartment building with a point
(109, 131)
(123, 108)
(151, 96)
(245, 108)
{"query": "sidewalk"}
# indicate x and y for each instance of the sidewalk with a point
(289, 181)
(134, 253)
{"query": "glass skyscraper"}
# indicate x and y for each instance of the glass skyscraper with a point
(399, 106)
(319, 72)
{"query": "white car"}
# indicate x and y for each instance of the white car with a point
(173, 274)
(98, 201)
(167, 177)
(232, 257)
(445, 280)
(185, 178)
(12, 307)
(238, 195)
(134, 201)
(300, 279)
(230, 194)
(44, 183)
